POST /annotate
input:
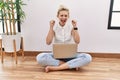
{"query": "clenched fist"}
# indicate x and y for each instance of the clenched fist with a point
(74, 23)
(52, 23)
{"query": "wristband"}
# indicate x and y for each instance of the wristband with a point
(75, 28)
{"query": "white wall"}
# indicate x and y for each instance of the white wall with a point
(92, 18)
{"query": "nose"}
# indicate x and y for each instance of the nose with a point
(64, 17)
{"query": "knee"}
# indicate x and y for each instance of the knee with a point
(41, 58)
(88, 58)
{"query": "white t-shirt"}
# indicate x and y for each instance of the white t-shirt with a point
(63, 34)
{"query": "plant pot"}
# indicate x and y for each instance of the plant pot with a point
(8, 44)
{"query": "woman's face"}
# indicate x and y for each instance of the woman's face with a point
(63, 17)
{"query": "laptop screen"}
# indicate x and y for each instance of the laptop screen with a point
(64, 50)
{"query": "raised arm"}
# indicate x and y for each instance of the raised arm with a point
(50, 34)
(75, 33)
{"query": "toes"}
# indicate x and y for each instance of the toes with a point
(77, 68)
(47, 69)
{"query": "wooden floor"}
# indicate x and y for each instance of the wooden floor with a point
(98, 69)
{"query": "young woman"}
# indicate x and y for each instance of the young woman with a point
(63, 31)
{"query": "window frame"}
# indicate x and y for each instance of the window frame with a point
(110, 16)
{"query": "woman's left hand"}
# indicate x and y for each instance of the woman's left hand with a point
(74, 23)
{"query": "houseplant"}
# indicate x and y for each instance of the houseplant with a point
(11, 11)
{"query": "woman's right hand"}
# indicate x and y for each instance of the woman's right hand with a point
(52, 23)
(50, 35)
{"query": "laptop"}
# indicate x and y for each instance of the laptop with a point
(64, 50)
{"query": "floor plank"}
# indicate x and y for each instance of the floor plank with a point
(98, 69)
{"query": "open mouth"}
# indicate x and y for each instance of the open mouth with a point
(63, 21)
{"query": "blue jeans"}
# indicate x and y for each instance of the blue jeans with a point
(47, 59)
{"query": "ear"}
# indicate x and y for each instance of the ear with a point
(68, 16)
(57, 15)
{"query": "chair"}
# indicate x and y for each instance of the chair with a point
(3, 52)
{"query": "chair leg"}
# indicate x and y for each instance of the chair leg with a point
(22, 47)
(1, 51)
(15, 53)
(2, 57)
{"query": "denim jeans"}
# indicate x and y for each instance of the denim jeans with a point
(47, 59)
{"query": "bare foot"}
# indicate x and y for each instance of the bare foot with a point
(77, 68)
(56, 68)
(47, 69)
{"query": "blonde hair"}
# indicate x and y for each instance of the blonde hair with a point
(62, 8)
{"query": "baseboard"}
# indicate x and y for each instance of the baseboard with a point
(93, 54)
(100, 55)
(105, 55)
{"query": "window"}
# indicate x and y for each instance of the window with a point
(114, 15)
